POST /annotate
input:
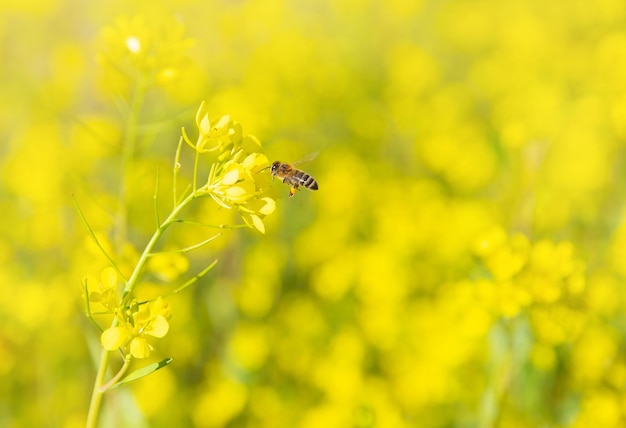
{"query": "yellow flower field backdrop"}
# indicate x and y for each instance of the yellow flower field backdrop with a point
(461, 265)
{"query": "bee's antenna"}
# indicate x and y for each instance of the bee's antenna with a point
(263, 169)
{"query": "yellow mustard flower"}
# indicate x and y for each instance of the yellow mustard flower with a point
(236, 185)
(234, 180)
(212, 135)
(150, 319)
(168, 266)
(152, 49)
(107, 294)
(510, 258)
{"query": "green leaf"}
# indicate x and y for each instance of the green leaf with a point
(142, 372)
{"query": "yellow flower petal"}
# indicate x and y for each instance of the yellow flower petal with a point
(95, 296)
(204, 125)
(114, 337)
(235, 133)
(221, 125)
(231, 177)
(269, 207)
(109, 278)
(240, 193)
(235, 192)
(219, 201)
(202, 118)
(255, 161)
(258, 223)
(140, 348)
(158, 327)
(142, 316)
(161, 307)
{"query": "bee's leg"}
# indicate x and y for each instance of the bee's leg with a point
(293, 191)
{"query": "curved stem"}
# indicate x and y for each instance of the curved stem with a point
(190, 247)
(176, 169)
(127, 156)
(96, 397)
(94, 238)
(195, 171)
(118, 376)
(145, 255)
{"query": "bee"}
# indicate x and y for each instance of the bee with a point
(292, 176)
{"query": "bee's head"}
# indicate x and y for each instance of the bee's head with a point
(274, 168)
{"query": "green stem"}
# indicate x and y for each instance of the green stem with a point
(132, 281)
(94, 238)
(96, 395)
(176, 169)
(189, 248)
(195, 278)
(195, 171)
(88, 307)
(118, 376)
(96, 398)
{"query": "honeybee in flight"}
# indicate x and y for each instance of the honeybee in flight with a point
(292, 176)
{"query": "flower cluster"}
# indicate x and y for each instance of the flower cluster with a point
(235, 161)
(134, 323)
(401, 319)
(107, 294)
(236, 187)
(144, 48)
(526, 273)
(234, 180)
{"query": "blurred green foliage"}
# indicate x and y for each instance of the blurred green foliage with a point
(461, 265)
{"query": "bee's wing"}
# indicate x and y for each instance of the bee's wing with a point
(307, 158)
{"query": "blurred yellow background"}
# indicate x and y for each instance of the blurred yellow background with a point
(462, 264)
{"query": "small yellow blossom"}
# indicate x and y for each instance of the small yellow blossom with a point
(140, 348)
(490, 241)
(107, 294)
(234, 180)
(141, 47)
(236, 185)
(211, 135)
(150, 319)
(168, 266)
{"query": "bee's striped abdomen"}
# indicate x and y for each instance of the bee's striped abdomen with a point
(305, 180)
